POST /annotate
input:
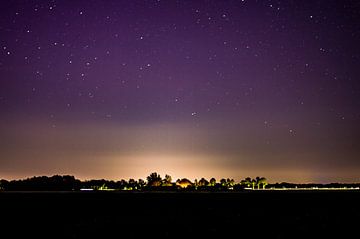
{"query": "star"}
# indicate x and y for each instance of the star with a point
(146, 70)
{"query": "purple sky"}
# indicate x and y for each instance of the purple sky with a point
(119, 89)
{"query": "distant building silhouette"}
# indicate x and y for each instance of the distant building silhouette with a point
(184, 183)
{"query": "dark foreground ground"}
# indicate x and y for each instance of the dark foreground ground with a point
(279, 214)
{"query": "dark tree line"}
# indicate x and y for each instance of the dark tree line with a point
(153, 182)
(42, 183)
(313, 185)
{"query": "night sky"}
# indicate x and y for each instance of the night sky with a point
(119, 89)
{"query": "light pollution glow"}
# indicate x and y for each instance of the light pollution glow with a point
(133, 151)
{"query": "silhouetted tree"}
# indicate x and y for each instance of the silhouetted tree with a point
(119, 185)
(212, 182)
(3, 184)
(230, 183)
(203, 182)
(223, 182)
(257, 180)
(141, 183)
(196, 183)
(132, 184)
(246, 182)
(167, 180)
(154, 179)
(261, 182)
(253, 183)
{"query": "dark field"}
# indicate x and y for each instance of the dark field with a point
(271, 214)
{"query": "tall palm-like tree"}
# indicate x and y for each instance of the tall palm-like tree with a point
(253, 183)
(258, 182)
(262, 182)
